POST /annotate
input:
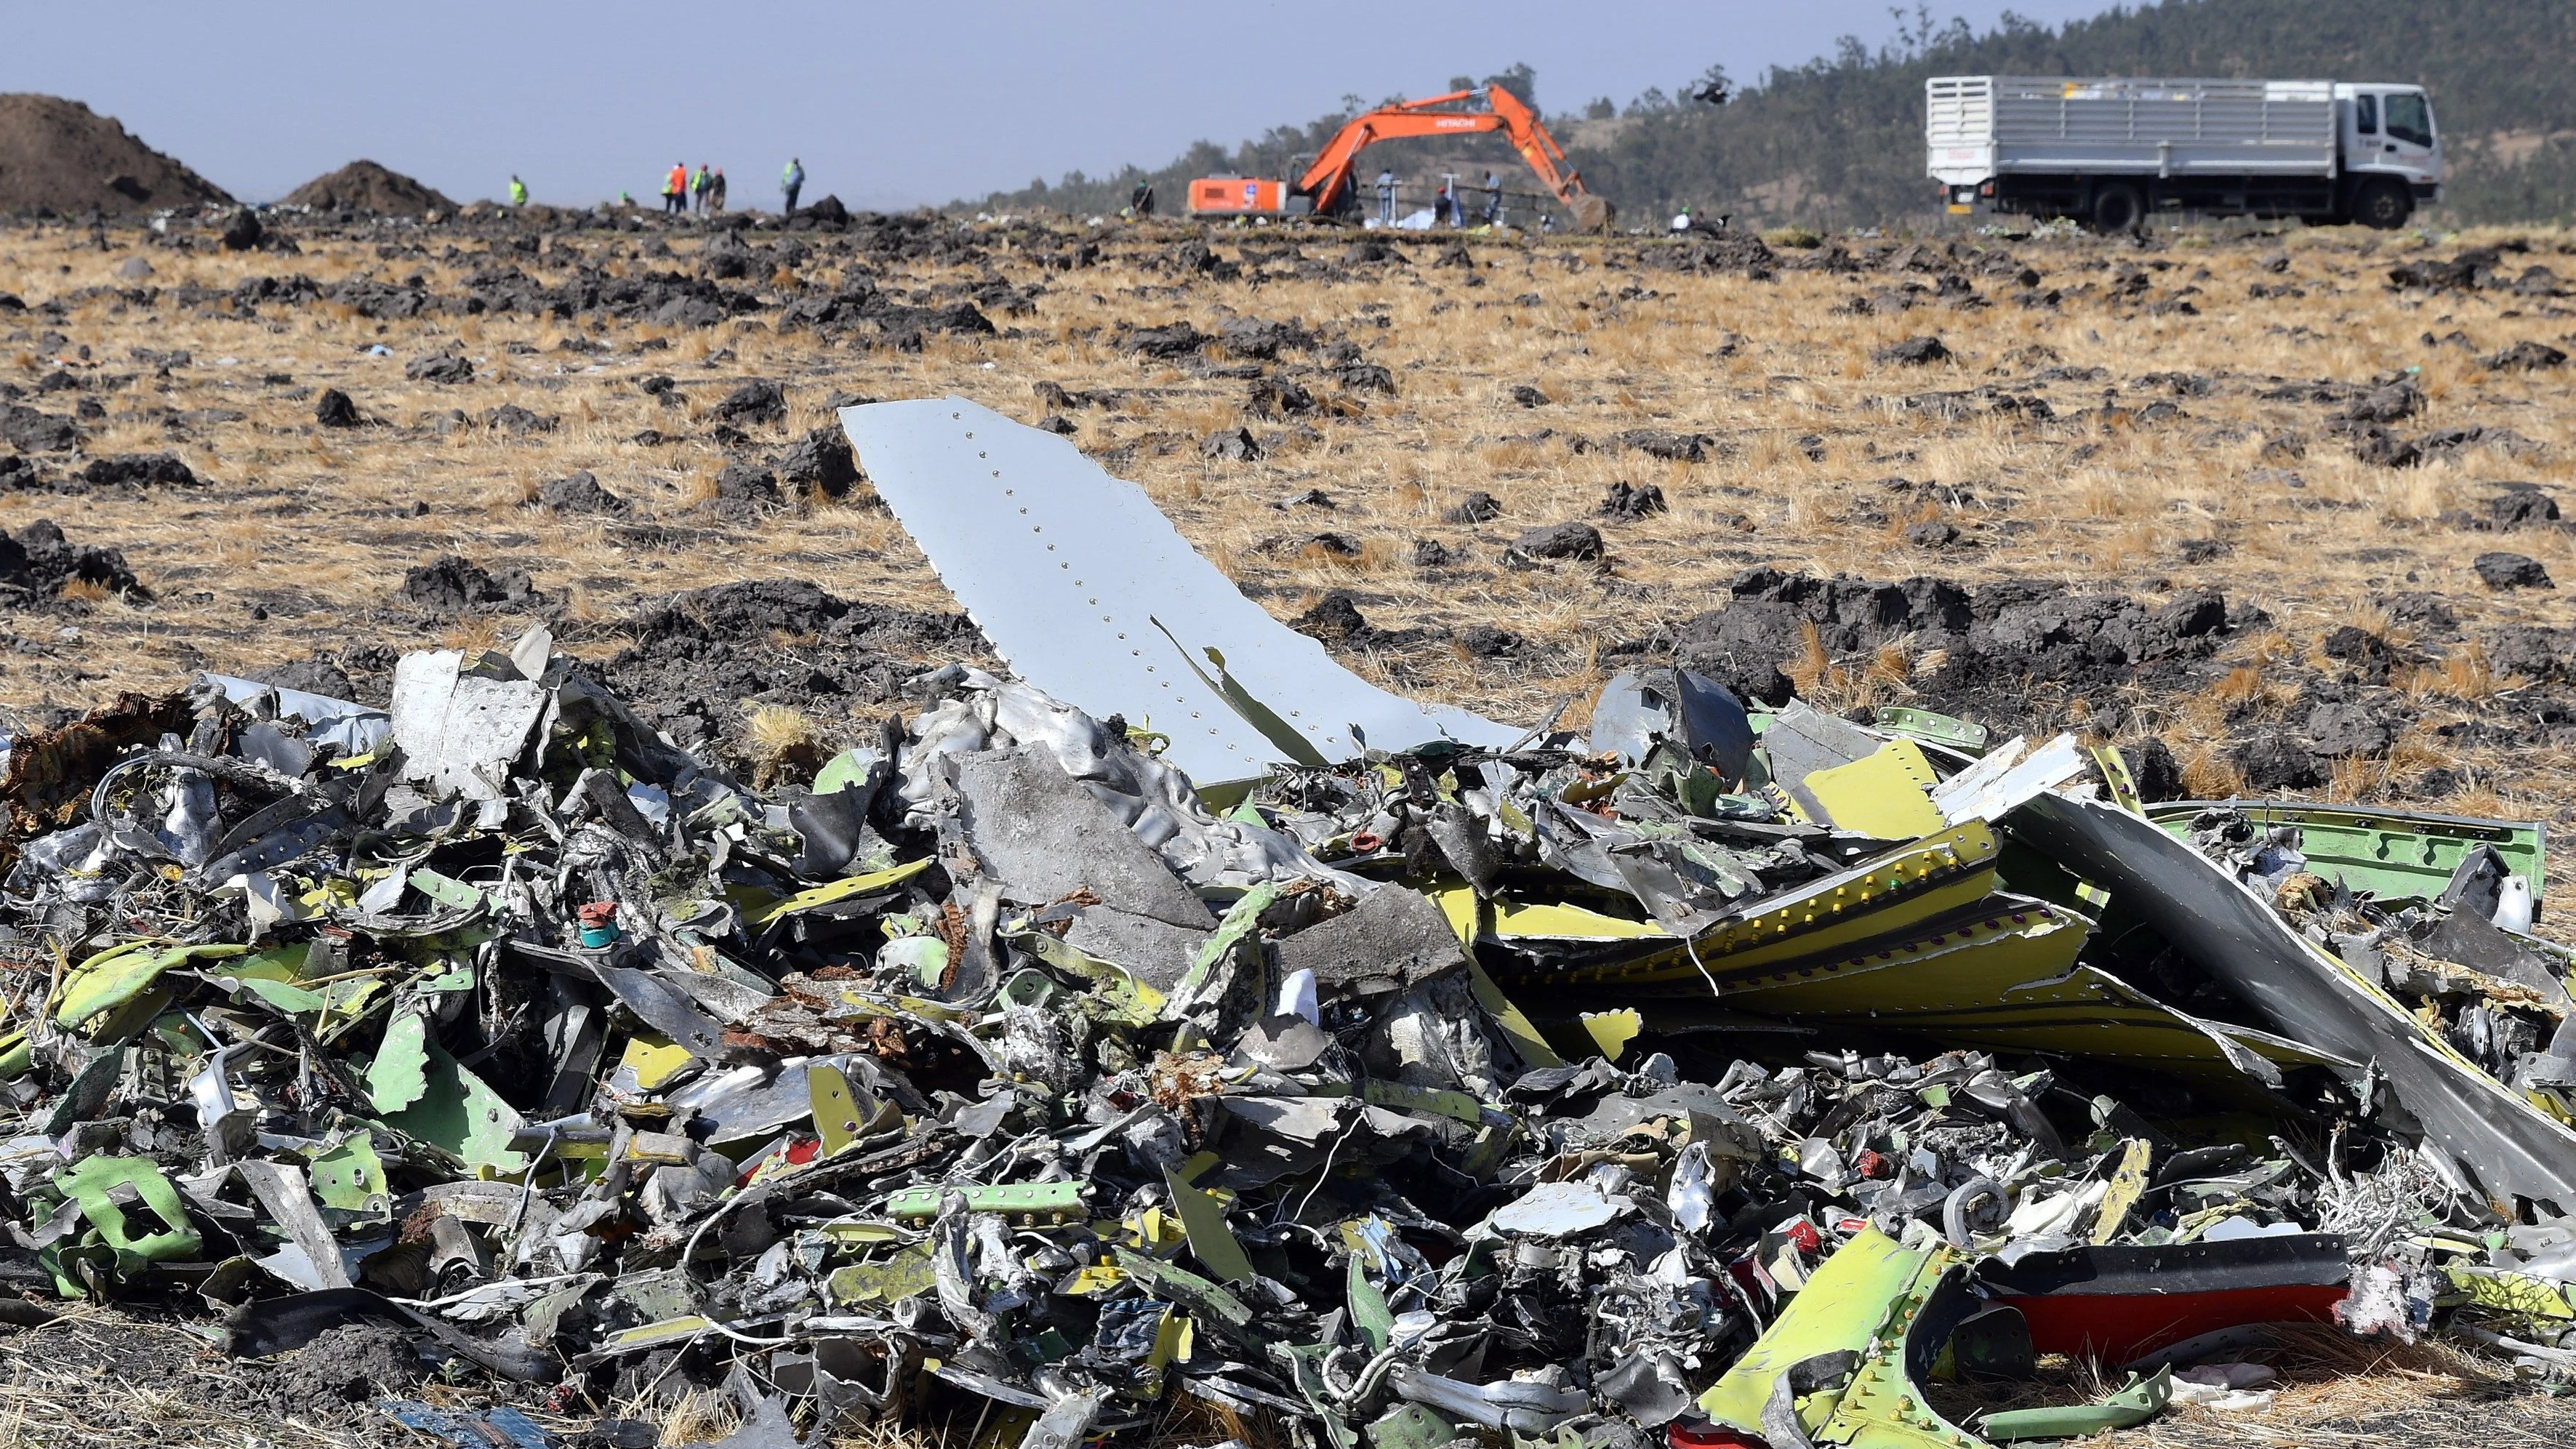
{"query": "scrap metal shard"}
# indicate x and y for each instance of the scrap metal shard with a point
(1839, 1364)
(2506, 1145)
(1069, 571)
(2118, 1304)
(2393, 854)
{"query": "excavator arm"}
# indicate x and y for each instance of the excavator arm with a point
(1328, 181)
(1530, 137)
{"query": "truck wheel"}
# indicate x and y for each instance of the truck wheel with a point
(2116, 208)
(2383, 205)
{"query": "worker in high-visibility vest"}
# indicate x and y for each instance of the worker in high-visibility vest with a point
(698, 189)
(675, 189)
(518, 191)
(791, 181)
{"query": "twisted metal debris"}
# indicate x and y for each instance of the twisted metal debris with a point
(1722, 1076)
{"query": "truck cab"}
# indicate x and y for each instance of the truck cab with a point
(2391, 153)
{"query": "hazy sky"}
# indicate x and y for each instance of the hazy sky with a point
(888, 105)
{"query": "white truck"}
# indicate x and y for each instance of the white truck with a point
(2114, 152)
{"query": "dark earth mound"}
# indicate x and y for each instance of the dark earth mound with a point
(700, 659)
(365, 186)
(63, 156)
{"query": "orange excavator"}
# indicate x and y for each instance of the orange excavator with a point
(1328, 188)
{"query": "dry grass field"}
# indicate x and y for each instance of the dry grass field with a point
(2188, 442)
(2177, 451)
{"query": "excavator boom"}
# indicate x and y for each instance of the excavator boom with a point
(1328, 183)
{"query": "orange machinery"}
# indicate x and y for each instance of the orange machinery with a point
(1328, 188)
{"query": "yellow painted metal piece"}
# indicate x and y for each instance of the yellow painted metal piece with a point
(2119, 784)
(1891, 893)
(1886, 794)
(123, 975)
(842, 1113)
(862, 1233)
(1516, 1025)
(668, 1330)
(907, 1273)
(1099, 1278)
(654, 1061)
(1863, 1300)
(1155, 1233)
(2128, 1183)
(1539, 921)
(2002, 976)
(1611, 1031)
(839, 890)
(2515, 1293)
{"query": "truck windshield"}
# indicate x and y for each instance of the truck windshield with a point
(2410, 119)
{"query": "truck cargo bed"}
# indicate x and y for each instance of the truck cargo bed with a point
(1988, 126)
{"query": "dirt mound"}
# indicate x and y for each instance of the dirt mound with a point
(365, 186)
(699, 658)
(62, 155)
(354, 1363)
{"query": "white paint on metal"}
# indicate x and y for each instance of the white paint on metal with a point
(1067, 570)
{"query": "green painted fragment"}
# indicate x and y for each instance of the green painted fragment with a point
(400, 1072)
(1940, 729)
(448, 891)
(1282, 735)
(1202, 1216)
(1411, 1426)
(1241, 924)
(1010, 1198)
(459, 1112)
(847, 771)
(2396, 855)
(94, 1183)
(1369, 1311)
(112, 978)
(906, 1274)
(1205, 1300)
(839, 890)
(2132, 1404)
(289, 1000)
(1117, 997)
(351, 1176)
(926, 957)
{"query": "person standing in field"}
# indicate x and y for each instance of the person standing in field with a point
(791, 181)
(1386, 197)
(698, 190)
(518, 190)
(715, 191)
(675, 189)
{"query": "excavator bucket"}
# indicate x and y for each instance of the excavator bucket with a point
(1591, 213)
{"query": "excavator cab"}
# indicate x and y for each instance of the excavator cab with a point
(1245, 196)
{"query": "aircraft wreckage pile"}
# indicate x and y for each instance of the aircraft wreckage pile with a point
(1721, 1077)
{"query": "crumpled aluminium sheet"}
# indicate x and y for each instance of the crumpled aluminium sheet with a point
(2495, 1138)
(1147, 794)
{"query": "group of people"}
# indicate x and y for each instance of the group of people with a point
(703, 194)
(1448, 207)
